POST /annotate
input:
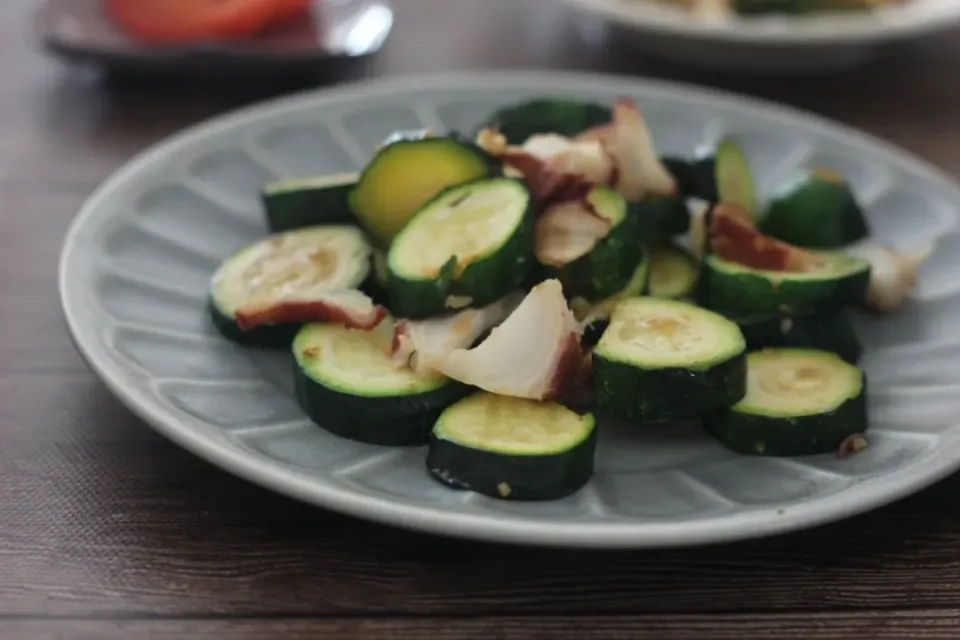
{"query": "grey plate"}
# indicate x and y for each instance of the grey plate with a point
(133, 279)
(78, 30)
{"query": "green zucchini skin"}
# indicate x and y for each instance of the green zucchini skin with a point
(649, 395)
(610, 265)
(799, 436)
(684, 174)
(270, 336)
(797, 7)
(755, 292)
(530, 477)
(673, 271)
(307, 205)
(484, 281)
(418, 181)
(828, 331)
(723, 174)
(401, 421)
(562, 116)
(661, 216)
(815, 211)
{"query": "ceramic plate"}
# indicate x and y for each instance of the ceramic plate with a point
(776, 43)
(135, 268)
(79, 31)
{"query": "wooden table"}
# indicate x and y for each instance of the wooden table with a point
(109, 531)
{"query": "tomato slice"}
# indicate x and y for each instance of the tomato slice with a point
(179, 21)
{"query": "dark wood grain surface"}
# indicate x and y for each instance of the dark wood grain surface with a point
(108, 531)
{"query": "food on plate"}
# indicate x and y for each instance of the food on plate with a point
(730, 8)
(486, 296)
(664, 359)
(798, 402)
(592, 245)
(294, 204)
(409, 172)
(260, 294)
(825, 330)
(512, 449)
(468, 247)
(750, 273)
(165, 22)
(815, 209)
(893, 273)
(534, 353)
(673, 271)
(347, 382)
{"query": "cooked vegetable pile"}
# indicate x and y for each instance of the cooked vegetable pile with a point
(729, 8)
(484, 295)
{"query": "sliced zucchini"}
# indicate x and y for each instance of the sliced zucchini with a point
(668, 360)
(307, 202)
(798, 402)
(377, 285)
(673, 272)
(684, 174)
(828, 331)
(588, 311)
(661, 215)
(512, 449)
(263, 292)
(561, 116)
(835, 280)
(816, 209)
(347, 383)
(407, 174)
(804, 7)
(468, 247)
(592, 246)
(724, 175)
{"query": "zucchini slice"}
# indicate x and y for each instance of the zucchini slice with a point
(661, 215)
(684, 174)
(591, 246)
(828, 331)
(588, 311)
(834, 280)
(724, 175)
(263, 292)
(307, 202)
(512, 449)
(805, 7)
(469, 246)
(406, 174)
(561, 116)
(668, 360)
(673, 272)
(798, 402)
(347, 383)
(816, 209)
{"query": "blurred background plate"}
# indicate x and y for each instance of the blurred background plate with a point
(777, 44)
(338, 30)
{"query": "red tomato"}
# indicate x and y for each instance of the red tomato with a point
(179, 21)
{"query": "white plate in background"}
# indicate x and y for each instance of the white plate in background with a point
(769, 43)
